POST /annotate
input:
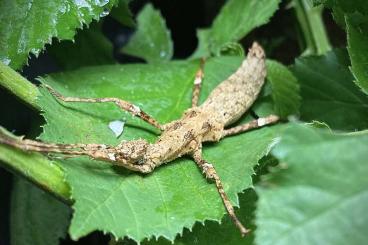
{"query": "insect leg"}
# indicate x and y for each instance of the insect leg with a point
(37, 146)
(198, 84)
(122, 104)
(211, 173)
(258, 123)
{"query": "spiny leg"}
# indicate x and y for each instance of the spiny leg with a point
(198, 83)
(122, 104)
(257, 123)
(211, 173)
(95, 151)
(33, 145)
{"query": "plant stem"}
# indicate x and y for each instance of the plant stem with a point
(19, 86)
(33, 166)
(313, 30)
(36, 168)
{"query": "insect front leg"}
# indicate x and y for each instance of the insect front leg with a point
(211, 173)
(198, 84)
(257, 123)
(122, 104)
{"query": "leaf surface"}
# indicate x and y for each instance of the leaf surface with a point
(328, 208)
(36, 217)
(213, 233)
(26, 26)
(357, 29)
(328, 92)
(129, 204)
(152, 40)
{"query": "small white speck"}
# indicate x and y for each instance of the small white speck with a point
(261, 122)
(197, 81)
(111, 156)
(117, 127)
(207, 165)
(136, 110)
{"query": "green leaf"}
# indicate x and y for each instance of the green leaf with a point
(357, 29)
(123, 14)
(175, 196)
(152, 40)
(213, 233)
(36, 217)
(328, 92)
(203, 47)
(284, 89)
(342, 7)
(89, 48)
(320, 195)
(350, 6)
(237, 18)
(27, 26)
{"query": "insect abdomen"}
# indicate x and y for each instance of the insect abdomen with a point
(234, 96)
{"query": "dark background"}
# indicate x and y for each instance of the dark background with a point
(279, 37)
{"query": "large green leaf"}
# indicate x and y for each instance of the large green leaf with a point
(213, 233)
(320, 195)
(329, 93)
(235, 20)
(357, 29)
(152, 40)
(124, 203)
(26, 26)
(36, 217)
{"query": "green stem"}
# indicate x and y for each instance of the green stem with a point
(18, 85)
(33, 166)
(314, 33)
(36, 168)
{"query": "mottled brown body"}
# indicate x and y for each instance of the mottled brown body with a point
(207, 122)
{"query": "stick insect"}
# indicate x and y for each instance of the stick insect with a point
(201, 123)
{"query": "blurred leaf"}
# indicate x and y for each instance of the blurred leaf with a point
(26, 26)
(328, 92)
(357, 29)
(202, 49)
(284, 89)
(152, 40)
(139, 206)
(232, 49)
(328, 208)
(122, 14)
(89, 48)
(350, 6)
(235, 20)
(36, 217)
(342, 7)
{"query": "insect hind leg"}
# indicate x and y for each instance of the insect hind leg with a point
(257, 123)
(211, 173)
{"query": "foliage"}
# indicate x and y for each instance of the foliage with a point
(325, 209)
(309, 179)
(27, 26)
